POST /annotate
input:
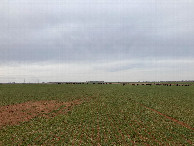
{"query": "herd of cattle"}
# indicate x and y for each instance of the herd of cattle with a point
(134, 84)
(158, 84)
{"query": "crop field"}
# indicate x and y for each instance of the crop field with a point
(50, 114)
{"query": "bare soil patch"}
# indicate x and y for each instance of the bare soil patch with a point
(14, 114)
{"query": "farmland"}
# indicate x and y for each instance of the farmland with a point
(101, 115)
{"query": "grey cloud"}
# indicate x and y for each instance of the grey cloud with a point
(74, 31)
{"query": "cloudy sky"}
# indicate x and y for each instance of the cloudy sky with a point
(110, 40)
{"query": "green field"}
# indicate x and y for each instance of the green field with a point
(108, 115)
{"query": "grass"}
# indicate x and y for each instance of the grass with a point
(109, 115)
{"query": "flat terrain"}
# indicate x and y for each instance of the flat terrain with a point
(35, 114)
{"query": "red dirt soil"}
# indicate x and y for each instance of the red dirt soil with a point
(14, 114)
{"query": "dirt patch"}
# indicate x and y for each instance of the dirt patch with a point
(14, 114)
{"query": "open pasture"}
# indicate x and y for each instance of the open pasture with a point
(43, 114)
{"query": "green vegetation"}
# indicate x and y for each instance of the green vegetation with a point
(109, 115)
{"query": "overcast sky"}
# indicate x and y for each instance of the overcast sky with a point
(110, 40)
